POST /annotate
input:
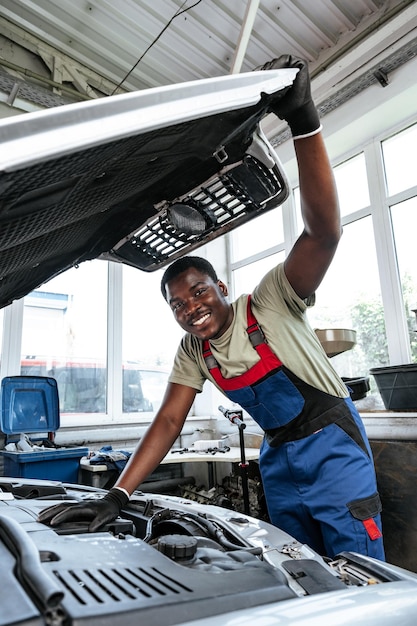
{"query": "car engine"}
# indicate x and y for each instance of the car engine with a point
(167, 560)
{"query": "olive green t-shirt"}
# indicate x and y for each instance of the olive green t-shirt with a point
(282, 316)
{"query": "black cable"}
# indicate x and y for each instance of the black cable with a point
(177, 14)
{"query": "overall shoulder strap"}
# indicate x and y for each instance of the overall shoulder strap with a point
(255, 333)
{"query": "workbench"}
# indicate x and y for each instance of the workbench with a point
(99, 475)
(232, 455)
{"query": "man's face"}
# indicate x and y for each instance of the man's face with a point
(199, 304)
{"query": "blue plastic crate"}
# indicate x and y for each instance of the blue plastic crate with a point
(29, 404)
(61, 464)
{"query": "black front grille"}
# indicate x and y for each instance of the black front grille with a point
(230, 198)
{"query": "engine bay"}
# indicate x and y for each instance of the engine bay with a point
(167, 560)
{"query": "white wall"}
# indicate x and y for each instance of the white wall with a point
(365, 117)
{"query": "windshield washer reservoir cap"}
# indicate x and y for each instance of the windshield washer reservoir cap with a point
(178, 547)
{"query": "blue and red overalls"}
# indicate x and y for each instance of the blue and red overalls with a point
(315, 461)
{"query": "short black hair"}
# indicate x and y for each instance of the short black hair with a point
(181, 265)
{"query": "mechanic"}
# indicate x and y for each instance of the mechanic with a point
(316, 463)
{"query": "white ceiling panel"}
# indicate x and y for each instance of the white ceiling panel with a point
(200, 37)
(80, 49)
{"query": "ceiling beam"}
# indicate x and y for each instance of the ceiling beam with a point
(244, 36)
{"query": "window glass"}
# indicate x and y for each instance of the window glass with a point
(247, 277)
(143, 388)
(261, 233)
(404, 221)
(352, 188)
(65, 336)
(349, 298)
(399, 160)
(150, 337)
(352, 185)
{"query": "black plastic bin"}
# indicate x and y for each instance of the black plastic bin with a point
(357, 387)
(398, 386)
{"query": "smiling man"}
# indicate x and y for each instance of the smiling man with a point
(260, 351)
(197, 298)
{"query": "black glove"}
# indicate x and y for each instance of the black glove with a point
(296, 105)
(98, 511)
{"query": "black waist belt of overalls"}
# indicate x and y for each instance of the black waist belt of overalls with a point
(320, 408)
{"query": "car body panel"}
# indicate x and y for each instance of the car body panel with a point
(370, 606)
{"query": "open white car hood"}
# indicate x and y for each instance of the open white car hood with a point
(140, 178)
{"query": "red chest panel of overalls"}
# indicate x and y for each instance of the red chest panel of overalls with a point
(267, 363)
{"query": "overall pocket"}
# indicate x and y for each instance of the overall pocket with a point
(367, 511)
